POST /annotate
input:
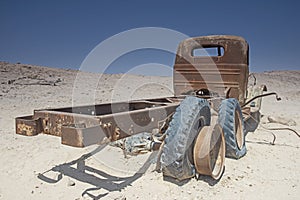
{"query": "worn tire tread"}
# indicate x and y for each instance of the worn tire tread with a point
(227, 121)
(180, 136)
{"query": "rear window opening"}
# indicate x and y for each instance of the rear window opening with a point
(208, 51)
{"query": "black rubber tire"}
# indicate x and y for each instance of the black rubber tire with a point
(229, 112)
(177, 154)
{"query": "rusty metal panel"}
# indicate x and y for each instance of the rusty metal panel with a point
(217, 73)
(82, 137)
(115, 126)
(28, 126)
(52, 121)
(136, 121)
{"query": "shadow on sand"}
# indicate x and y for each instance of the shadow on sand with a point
(84, 173)
(78, 170)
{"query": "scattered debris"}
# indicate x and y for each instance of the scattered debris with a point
(27, 67)
(278, 129)
(41, 82)
(281, 120)
(134, 145)
(11, 81)
(71, 183)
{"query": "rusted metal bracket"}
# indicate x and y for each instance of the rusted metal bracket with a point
(28, 126)
(82, 137)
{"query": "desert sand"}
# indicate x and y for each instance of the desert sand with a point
(40, 167)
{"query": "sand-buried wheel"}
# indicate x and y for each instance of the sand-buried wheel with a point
(209, 151)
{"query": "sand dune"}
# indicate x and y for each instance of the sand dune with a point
(266, 172)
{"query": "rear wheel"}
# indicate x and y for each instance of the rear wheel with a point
(232, 123)
(177, 155)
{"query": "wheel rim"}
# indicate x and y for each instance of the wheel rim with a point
(209, 151)
(238, 130)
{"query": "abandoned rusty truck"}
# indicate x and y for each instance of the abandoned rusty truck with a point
(212, 109)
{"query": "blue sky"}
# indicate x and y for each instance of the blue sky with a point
(62, 33)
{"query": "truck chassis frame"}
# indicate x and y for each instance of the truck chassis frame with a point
(213, 78)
